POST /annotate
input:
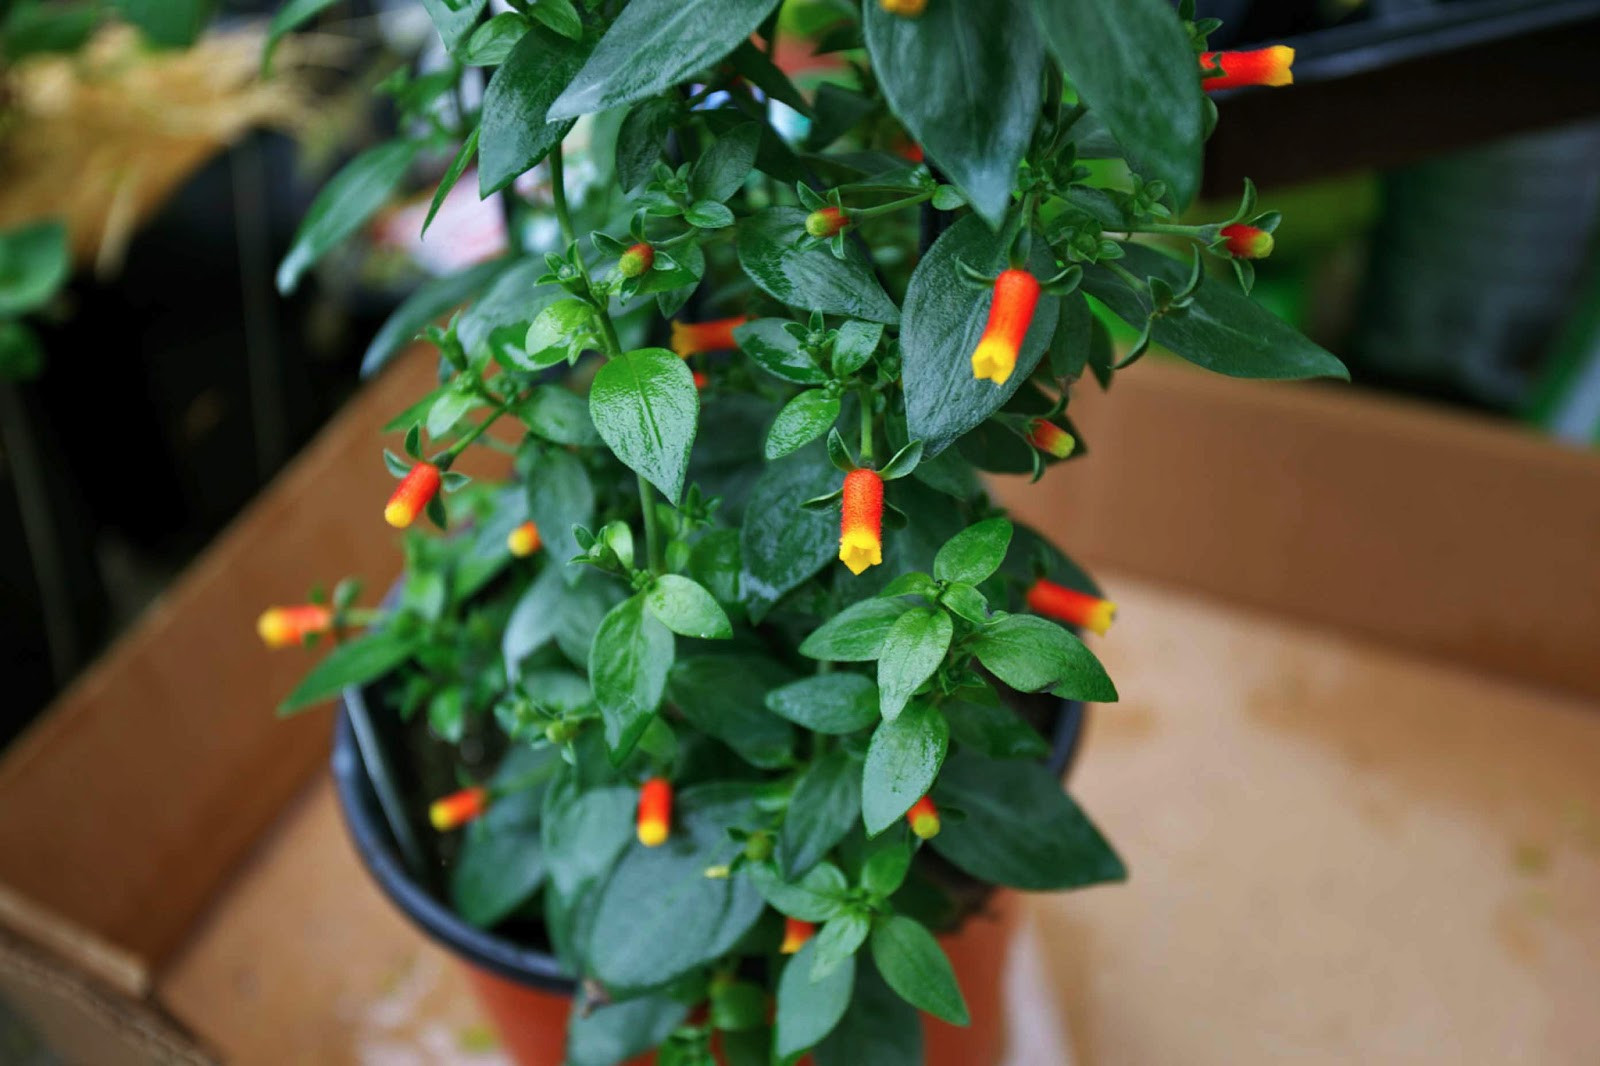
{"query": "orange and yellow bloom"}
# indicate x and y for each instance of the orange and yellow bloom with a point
(861, 521)
(795, 935)
(1016, 293)
(924, 818)
(1050, 438)
(458, 808)
(1247, 242)
(692, 338)
(905, 8)
(827, 222)
(655, 812)
(636, 261)
(412, 495)
(1071, 606)
(524, 540)
(1261, 66)
(284, 627)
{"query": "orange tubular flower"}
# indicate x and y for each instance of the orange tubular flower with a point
(284, 627)
(904, 8)
(924, 818)
(458, 808)
(1050, 438)
(826, 222)
(1016, 293)
(1263, 66)
(655, 812)
(524, 540)
(1071, 606)
(1247, 242)
(692, 338)
(861, 521)
(636, 261)
(415, 490)
(700, 379)
(795, 935)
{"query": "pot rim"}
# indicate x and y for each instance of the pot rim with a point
(375, 843)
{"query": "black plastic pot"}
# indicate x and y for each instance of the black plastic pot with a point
(359, 735)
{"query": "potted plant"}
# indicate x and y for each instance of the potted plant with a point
(723, 715)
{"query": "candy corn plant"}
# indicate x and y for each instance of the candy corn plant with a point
(743, 682)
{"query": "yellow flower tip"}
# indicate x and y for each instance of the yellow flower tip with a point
(652, 833)
(1101, 615)
(859, 550)
(993, 360)
(399, 515)
(682, 345)
(439, 815)
(904, 8)
(1282, 65)
(795, 935)
(524, 540)
(275, 629)
(926, 826)
(718, 873)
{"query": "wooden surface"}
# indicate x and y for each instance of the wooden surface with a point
(1338, 854)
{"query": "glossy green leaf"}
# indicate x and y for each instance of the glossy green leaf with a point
(885, 869)
(560, 497)
(355, 662)
(854, 346)
(775, 255)
(560, 16)
(828, 703)
(838, 940)
(1221, 330)
(645, 405)
(517, 133)
(722, 171)
(737, 1006)
(628, 667)
(855, 634)
(913, 964)
(708, 214)
(558, 415)
(1131, 62)
(902, 762)
(782, 544)
(454, 19)
(492, 43)
(816, 897)
(583, 834)
(640, 139)
(515, 297)
(653, 45)
(964, 78)
(802, 420)
(34, 262)
(614, 1032)
(974, 553)
(878, 1028)
(1031, 654)
(943, 320)
(773, 348)
(993, 730)
(686, 608)
(344, 205)
(1052, 847)
(501, 862)
(722, 696)
(809, 1008)
(913, 650)
(452, 174)
(535, 619)
(823, 808)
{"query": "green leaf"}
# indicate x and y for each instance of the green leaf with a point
(996, 731)
(913, 964)
(1018, 828)
(645, 405)
(802, 420)
(535, 619)
(1031, 654)
(686, 608)
(1131, 62)
(344, 205)
(943, 321)
(775, 350)
(426, 303)
(964, 79)
(974, 553)
(614, 1032)
(856, 634)
(640, 139)
(517, 133)
(34, 262)
(753, 65)
(722, 695)
(288, 18)
(558, 415)
(514, 298)
(781, 544)
(561, 17)
(828, 703)
(501, 863)
(21, 354)
(355, 662)
(809, 1008)
(879, 1027)
(823, 808)
(722, 171)
(492, 43)
(1221, 330)
(854, 346)
(454, 19)
(738, 1006)
(816, 897)
(902, 762)
(838, 941)
(582, 835)
(653, 45)
(628, 670)
(775, 255)
(708, 214)
(452, 174)
(913, 650)
(559, 498)
(885, 869)
(168, 23)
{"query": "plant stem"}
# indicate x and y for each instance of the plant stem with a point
(866, 425)
(1122, 272)
(448, 456)
(858, 213)
(1197, 232)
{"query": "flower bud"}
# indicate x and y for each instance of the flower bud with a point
(692, 338)
(700, 379)
(1050, 438)
(416, 489)
(636, 261)
(655, 812)
(1016, 293)
(458, 808)
(1247, 242)
(758, 847)
(904, 8)
(1262, 66)
(524, 540)
(283, 627)
(861, 521)
(924, 818)
(826, 222)
(795, 935)
(1071, 606)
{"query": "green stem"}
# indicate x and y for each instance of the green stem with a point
(1197, 232)
(448, 456)
(857, 214)
(1122, 272)
(866, 425)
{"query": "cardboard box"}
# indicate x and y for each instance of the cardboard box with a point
(1393, 543)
